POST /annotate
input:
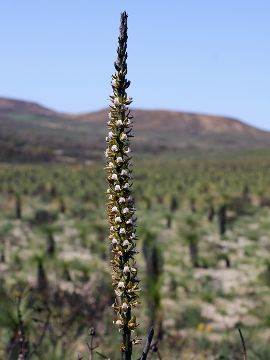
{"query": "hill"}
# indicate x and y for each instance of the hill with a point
(31, 132)
(12, 105)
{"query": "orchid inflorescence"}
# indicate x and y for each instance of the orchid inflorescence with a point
(120, 207)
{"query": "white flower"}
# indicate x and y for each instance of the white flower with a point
(112, 228)
(126, 243)
(119, 159)
(130, 198)
(122, 231)
(117, 188)
(129, 221)
(118, 322)
(126, 186)
(114, 83)
(116, 101)
(110, 197)
(114, 148)
(133, 236)
(114, 209)
(108, 191)
(114, 176)
(126, 269)
(106, 152)
(110, 116)
(125, 211)
(111, 165)
(107, 139)
(122, 200)
(110, 135)
(121, 285)
(127, 150)
(124, 307)
(118, 219)
(123, 136)
(119, 123)
(124, 172)
(114, 241)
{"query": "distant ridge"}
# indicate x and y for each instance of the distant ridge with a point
(191, 123)
(32, 132)
(14, 105)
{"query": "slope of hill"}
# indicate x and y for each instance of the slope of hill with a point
(186, 122)
(31, 132)
(20, 106)
(187, 130)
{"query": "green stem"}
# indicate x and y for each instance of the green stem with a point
(127, 340)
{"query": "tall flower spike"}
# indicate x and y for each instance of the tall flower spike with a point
(120, 207)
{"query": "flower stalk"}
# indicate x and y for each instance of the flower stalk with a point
(120, 206)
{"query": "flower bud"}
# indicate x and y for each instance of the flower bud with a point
(121, 285)
(123, 136)
(119, 123)
(126, 243)
(126, 270)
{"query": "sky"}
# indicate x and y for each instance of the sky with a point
(207, 56)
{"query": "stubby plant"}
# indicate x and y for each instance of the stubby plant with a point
(154, 269)
(120, 207)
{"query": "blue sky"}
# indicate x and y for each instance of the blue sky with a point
(196, 55)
